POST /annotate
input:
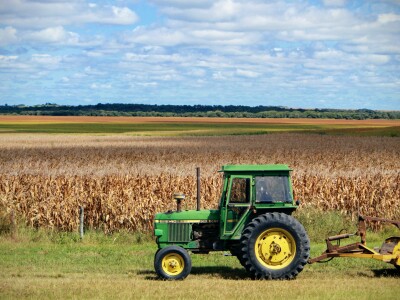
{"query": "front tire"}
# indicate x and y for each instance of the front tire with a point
(274, 246)
(172, 263)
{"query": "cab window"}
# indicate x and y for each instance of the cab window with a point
(273, 189)
(240, 190)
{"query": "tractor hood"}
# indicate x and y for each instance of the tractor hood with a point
(188, 216)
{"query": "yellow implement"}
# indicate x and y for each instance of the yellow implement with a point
(389, 252)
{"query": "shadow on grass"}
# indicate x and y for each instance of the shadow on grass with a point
(215, 271)
(387, 273)
(223, 272)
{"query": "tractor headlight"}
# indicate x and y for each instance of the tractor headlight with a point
(158, 232)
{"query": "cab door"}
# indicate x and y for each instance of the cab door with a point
(237, 203)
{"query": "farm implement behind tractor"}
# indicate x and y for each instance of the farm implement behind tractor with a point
(389, 251)
(253, 222)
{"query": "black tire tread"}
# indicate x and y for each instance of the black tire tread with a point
(237, 252)
(274, 220)
(160, 254)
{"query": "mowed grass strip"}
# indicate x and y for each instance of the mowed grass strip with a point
(188, 128)
(194, 129)
(121, 266)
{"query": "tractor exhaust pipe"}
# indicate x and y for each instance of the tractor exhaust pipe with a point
(198, 187)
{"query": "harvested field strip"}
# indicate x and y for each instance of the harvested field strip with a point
(162, 126)
(84, 119)
(325, 156)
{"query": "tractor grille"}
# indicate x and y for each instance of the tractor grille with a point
(179, 232)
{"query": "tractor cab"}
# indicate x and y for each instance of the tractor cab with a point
(250, 190)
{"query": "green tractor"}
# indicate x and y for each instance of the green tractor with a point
(253, 222)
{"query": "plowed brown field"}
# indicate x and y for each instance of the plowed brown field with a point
(135, 120)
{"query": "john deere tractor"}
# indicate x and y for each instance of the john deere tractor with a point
(253, 223)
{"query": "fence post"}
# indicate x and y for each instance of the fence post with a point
(13, 224)
(81, 214)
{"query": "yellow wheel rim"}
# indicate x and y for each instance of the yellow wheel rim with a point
(275, 248)
(173, 264)
(396, 253)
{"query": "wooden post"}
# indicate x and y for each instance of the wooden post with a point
(13, 224)
(81, 214)
(198, 187)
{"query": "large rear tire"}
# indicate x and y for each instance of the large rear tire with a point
(274, 246)
(396, 252)
(235, 251)
(172, 263)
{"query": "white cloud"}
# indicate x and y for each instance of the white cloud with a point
(13, 63)
(93, 72)
(46, 60)
(8, 57)
(334, 2)
(42, 14)
(184, 3)
(122, 16)
(218, 76)
(247, 73)
(388, 18)
(52, 35)
(376, 59)
(156, 58)
(217, 49)
(222, 10)
(147, 84)
(7, 61)
(96, 86)
(197, 72)
(8, 36)
(156, 36)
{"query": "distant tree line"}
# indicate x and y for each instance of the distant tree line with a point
(213, 111)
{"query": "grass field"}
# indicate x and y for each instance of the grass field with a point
(193, 126)
(42, 265)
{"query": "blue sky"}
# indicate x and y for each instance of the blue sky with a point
(323, 54)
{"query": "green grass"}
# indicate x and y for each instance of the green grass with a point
(152, 128)
(393, 131)
(42, 264)
(179, 129)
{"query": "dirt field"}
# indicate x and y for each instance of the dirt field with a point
(134, 120)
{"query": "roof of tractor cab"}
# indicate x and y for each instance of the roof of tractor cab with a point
(254, 168)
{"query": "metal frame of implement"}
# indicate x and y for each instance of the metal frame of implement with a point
(389, 252)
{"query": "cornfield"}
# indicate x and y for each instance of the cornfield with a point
(122, 181)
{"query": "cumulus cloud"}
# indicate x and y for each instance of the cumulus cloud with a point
(42, 14)
(52, 35)
(96, 86)
(334, 2)
(184, 3)
(247, 73)
(388, 18)
(8, 36)
(46, 59)
(230, 48)
(160, 36)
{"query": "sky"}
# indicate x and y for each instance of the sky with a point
(300, 54)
